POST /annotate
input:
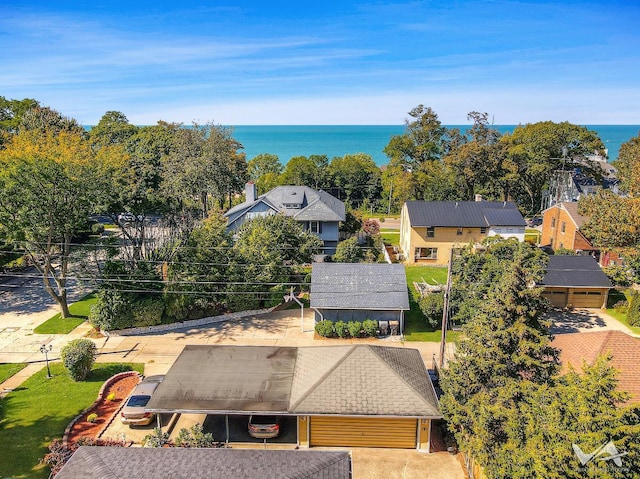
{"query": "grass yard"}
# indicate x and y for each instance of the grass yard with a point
(39, 411)
(416, 328)
(9, 369)
(532, 235)
(614, 297)
(390, 236)
(57, 325)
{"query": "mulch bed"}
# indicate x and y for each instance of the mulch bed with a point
(104, 408)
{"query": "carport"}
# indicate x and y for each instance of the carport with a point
(344, 396)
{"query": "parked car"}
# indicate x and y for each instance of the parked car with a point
(133, 412)
(535, 221)
(129, 218)
(264, 427)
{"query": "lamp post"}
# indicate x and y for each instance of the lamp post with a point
(46, 349)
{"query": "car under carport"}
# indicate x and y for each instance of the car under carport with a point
(351, 396)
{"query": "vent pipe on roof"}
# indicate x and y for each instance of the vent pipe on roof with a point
(478, 197)
(250, 192)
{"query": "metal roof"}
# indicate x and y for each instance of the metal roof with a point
(371, 286)
(469, 214)
(96, 462)
(575, 271)
(359, 380)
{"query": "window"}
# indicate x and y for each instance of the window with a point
(553, 222)
(431, 232)
(459, 232)
(563, 227)
(426, 253)
(315, 227)
(483, 230)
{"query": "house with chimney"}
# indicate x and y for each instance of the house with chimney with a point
(429, 230)
(317, 211)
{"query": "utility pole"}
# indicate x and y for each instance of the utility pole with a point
(445, 311)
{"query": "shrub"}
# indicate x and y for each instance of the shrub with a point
(195, 437)
(633, 313)
(341, 329)
(93, 417)
(148, 312)
(112, 310)
(78, 357)
(348, 251)
(60, 453)
(370, 327)
(325, 328)
(618, 275)
(158, 438)
(97, 228)
(355, 327)
(111, 397)
(431, 306)
(621, 306)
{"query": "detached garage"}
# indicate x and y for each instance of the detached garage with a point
(575, 282)
(340, 396)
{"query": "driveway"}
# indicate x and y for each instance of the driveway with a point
(584, 320)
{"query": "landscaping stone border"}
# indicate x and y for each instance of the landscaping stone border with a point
(107, 384)
(188, 324)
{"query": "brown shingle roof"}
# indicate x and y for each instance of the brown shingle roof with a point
(576, 348)
(572, 209)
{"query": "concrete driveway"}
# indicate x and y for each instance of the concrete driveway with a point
(584, 320)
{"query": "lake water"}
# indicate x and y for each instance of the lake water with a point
(339, 140)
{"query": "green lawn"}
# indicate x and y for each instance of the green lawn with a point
(391, 237)
(39, 411)
(614, 297)
(56, 325)
(9, 369)
(416, 328)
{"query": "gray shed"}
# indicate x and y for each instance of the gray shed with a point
(359, 291)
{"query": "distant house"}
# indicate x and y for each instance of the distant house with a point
(359, 291)
(576, 348)
(575, 282)
(95, 462)
(327, 396)
(429, 230)
(561, 229)
(317, 211)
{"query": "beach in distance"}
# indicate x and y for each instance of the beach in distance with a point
(287, 141)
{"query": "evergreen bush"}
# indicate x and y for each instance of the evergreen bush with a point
(633, 313)
(195, 437)
(432, 306)
(78, 357)
(341, 329)
(355, 328)
(370, 327)
(325, 328)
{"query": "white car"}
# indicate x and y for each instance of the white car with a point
(133, 412)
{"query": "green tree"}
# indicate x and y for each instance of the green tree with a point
(357, 177)
(46, 183)
(112, 129)
(348, 251)
(78, 357)
(11, 113)
(533, 151)
(309, 171)
(628, 166)
(265, 170)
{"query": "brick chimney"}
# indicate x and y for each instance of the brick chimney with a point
(250, 192)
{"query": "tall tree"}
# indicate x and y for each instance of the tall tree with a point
(265, 170)
(112, 129)
(11, 113)
(309, 171)
(357, 178)
(46, 182)
(628, 166)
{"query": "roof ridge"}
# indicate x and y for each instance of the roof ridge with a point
(321, 379)
(402, 378)
(96, 462)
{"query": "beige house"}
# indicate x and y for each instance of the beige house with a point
(429, 230)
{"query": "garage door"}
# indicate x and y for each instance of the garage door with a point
(588, 299)
(363, 432)
(558, 299)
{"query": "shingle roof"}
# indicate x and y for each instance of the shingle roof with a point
(373, 286)
(311, 205)
(625, 350)
(94, 462)
(572, 209)
(469, 214)
(341, 380)
(575, 271)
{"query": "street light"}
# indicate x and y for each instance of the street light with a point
(46, 349)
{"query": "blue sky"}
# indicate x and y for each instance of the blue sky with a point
(329, 62)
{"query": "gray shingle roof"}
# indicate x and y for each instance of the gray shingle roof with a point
(469, 214)
(356, 380)
(372, 286)
(575, 271)
(311, 205)
(94, 462)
